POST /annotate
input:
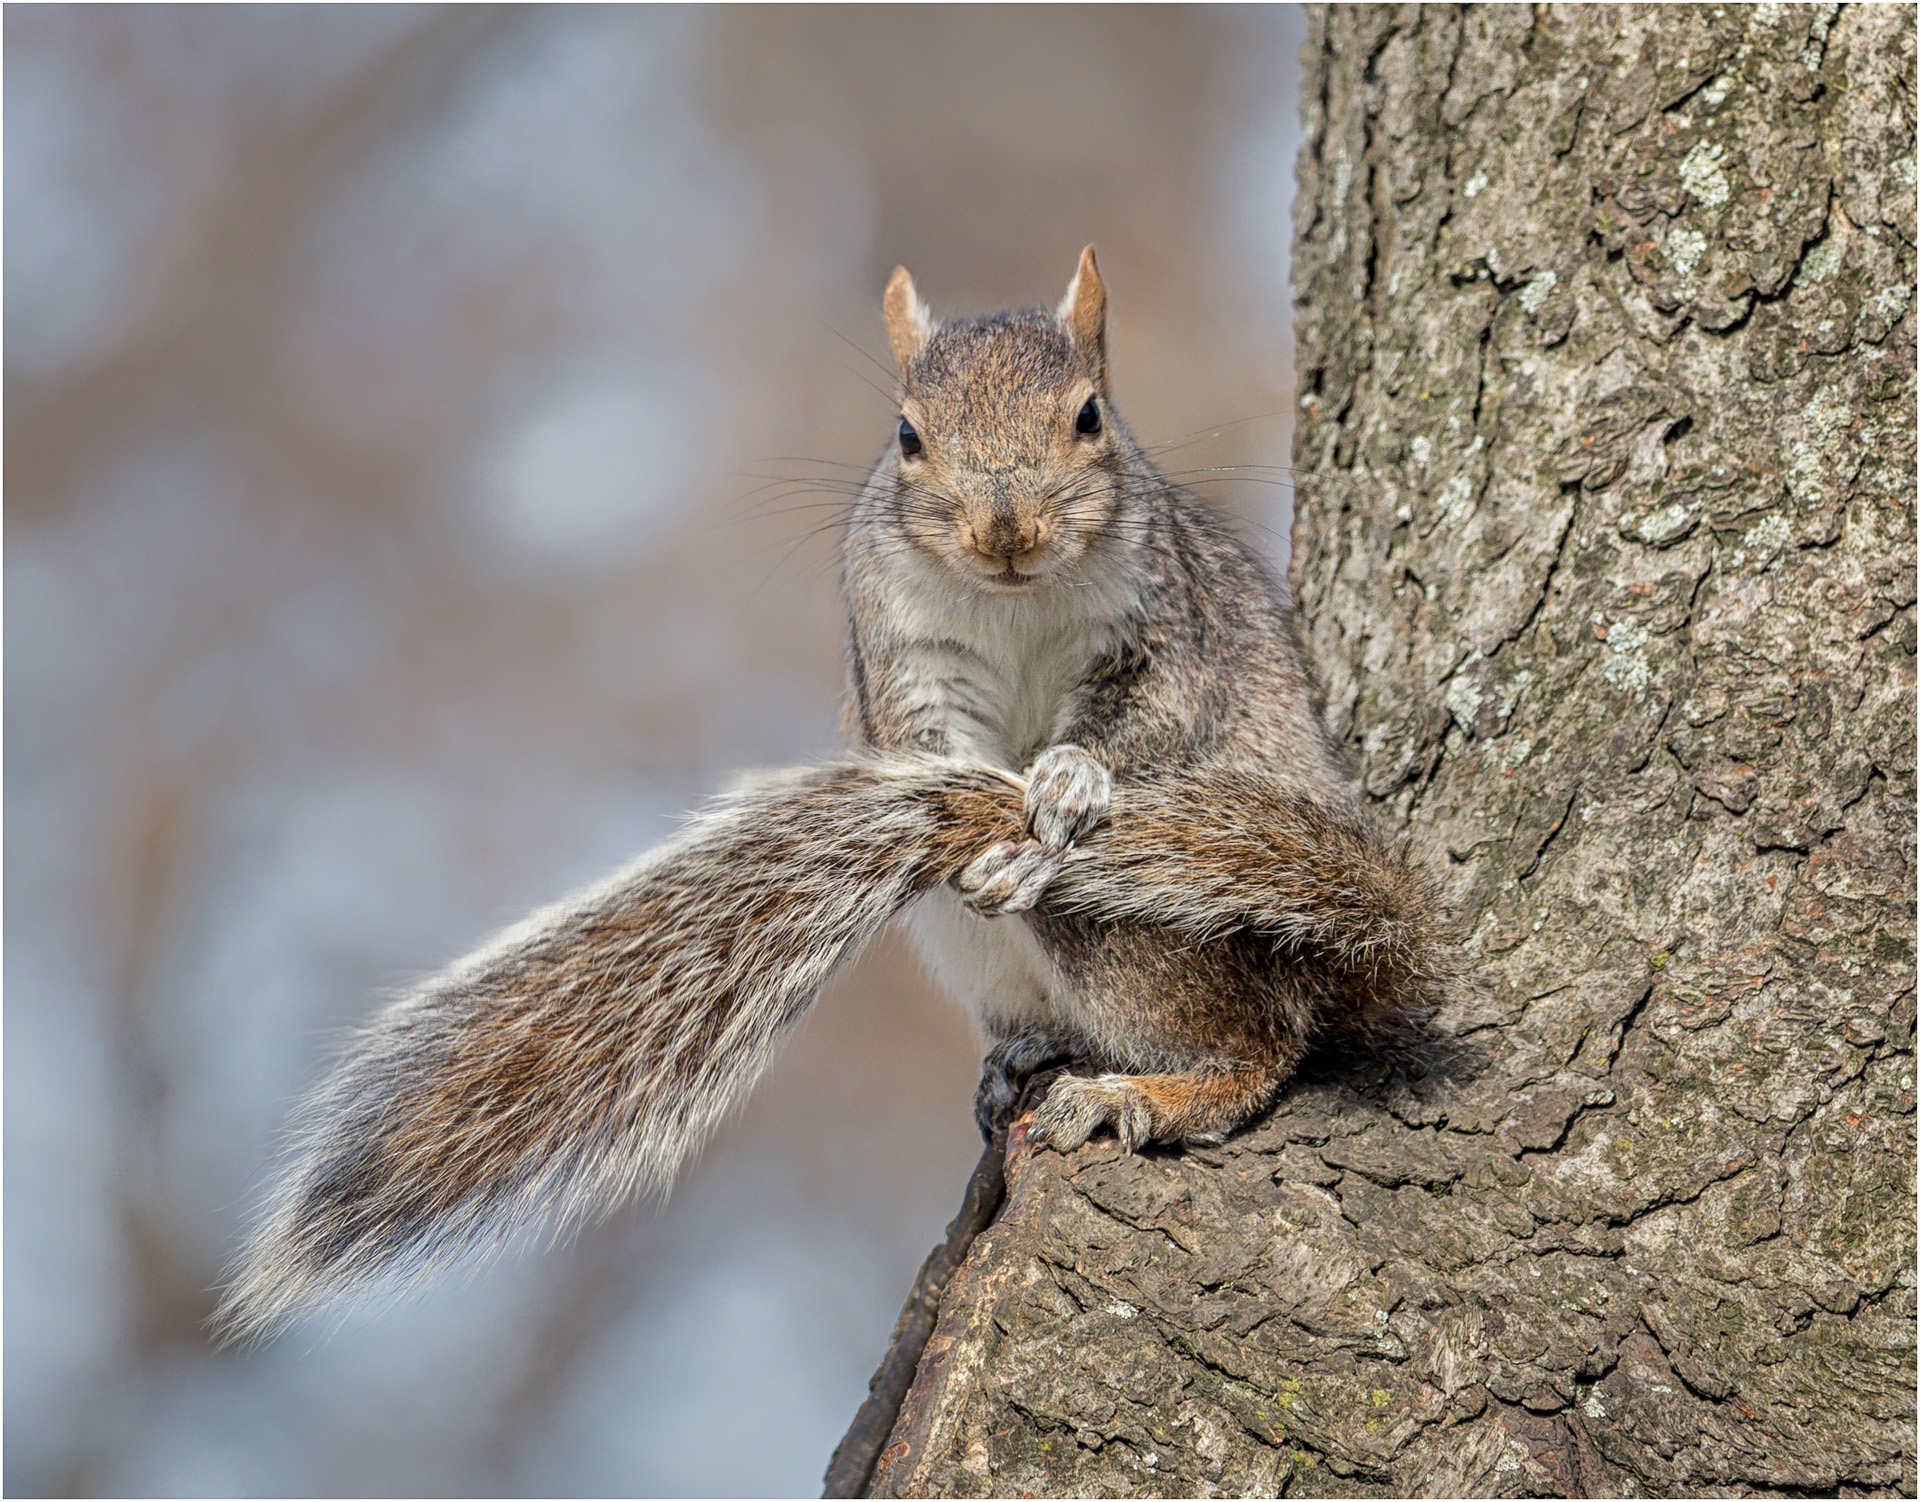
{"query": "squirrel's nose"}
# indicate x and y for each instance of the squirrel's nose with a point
(1009, 532)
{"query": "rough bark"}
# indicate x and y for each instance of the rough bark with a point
(1605, 550)
(858, 1453)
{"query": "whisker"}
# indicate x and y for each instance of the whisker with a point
(1199, 435)
(890, 376)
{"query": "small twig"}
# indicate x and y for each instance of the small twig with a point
(850, 1471)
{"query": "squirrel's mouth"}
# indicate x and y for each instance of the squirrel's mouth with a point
(1002, 574)
(1009, 580)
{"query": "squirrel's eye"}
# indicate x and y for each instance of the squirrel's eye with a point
(909, 440)
(1088, 421)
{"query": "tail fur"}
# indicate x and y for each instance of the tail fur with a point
(579, 1057)
(1222, 853)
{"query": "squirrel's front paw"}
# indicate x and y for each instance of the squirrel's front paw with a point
(1068, 793)
(1008, 877)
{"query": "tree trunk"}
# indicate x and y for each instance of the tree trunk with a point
(1605, 551)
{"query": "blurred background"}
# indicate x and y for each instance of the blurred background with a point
(425, 430)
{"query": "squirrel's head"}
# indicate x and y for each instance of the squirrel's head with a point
(1009, 465)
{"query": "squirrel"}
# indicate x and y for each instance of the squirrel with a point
(1090, 758)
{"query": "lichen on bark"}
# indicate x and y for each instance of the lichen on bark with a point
(1605, 551)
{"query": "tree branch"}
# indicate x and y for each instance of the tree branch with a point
(854, 1458)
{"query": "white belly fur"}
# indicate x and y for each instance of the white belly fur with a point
(994, 967)
(1029, 656)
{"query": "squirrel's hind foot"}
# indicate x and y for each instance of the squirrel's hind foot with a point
(1144, 1108)
(1008, 1069)
(1077, 1105)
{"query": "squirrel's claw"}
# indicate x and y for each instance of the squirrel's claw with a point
(1076, 1107)
(1068, 794)
(1008, 877)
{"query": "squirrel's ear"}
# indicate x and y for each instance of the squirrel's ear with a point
(909, 325)
(1084, 311)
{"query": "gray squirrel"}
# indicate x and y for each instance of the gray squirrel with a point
(1089, 757)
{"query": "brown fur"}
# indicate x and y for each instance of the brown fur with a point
(1185, 878)
(1190, 690)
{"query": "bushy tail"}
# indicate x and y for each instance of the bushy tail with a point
(584, 1053)
(1220, 853)
(580, 1056)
